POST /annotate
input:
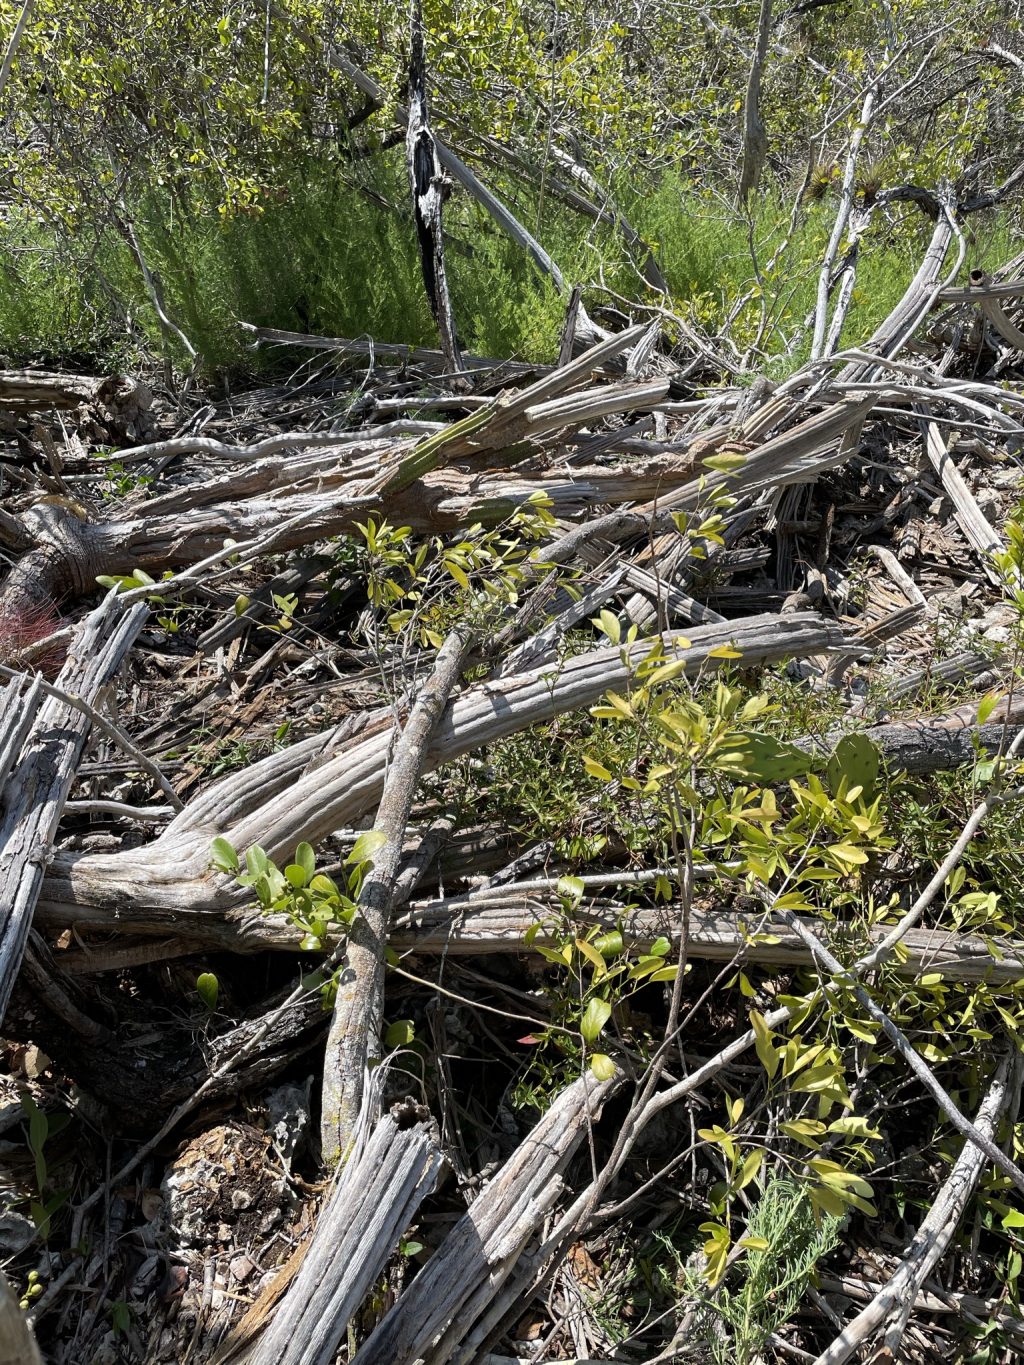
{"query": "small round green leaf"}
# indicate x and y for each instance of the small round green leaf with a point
(209, 989)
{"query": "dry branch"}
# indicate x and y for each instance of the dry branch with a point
(896, 1300)
(354, 1039)
(972, 521)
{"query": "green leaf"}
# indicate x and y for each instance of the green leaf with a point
(595, 1016)
(595, 959)
(828, 1201)
(716, 1249)
(608, 624)
(725, 463)
(225, 859)
(366, 846)
(602, 1066)
(324, 885)
(457, 573)
(806, 1131)
(306, 859)
(256, 860)
(670, 670)
(123, 582)
(209, 989)
(400, 1034)
(665, 973)
(750, 1168)
(987, 706)
(596, 769)
(571, 888)
(763, 1036)
(847, 854)
(610, 944)
(295, 876)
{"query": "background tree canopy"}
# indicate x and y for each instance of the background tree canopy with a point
(233, 148)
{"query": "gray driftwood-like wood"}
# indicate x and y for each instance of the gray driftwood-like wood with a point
(374, 1201)
(41, 389)
(287, 500)
(980, 533)
(37, 782)
(495, 922)
(458, 1283)
(169, 885)
(354, 1038)
(17, 1344)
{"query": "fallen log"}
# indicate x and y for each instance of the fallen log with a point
(167, 885)
(457, 1285)
(497, 922)
(373, 1202)
(290, 500)
(38, 766)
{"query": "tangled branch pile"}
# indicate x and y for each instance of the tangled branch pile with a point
(594, 870)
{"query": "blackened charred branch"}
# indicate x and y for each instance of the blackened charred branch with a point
(429, 190)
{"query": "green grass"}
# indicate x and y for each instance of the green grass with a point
(339, 259)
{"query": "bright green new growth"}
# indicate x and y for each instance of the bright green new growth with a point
(786, 1237)
(312, 901)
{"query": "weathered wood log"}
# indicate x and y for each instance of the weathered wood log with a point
(42, 389)
(37, 783)
(929, 746)
(374, 1200)
(458, 1283)
(119, 403)
(301, 497)
(169, 882)
(17, 1343)
(917, 748)
(497, 922)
